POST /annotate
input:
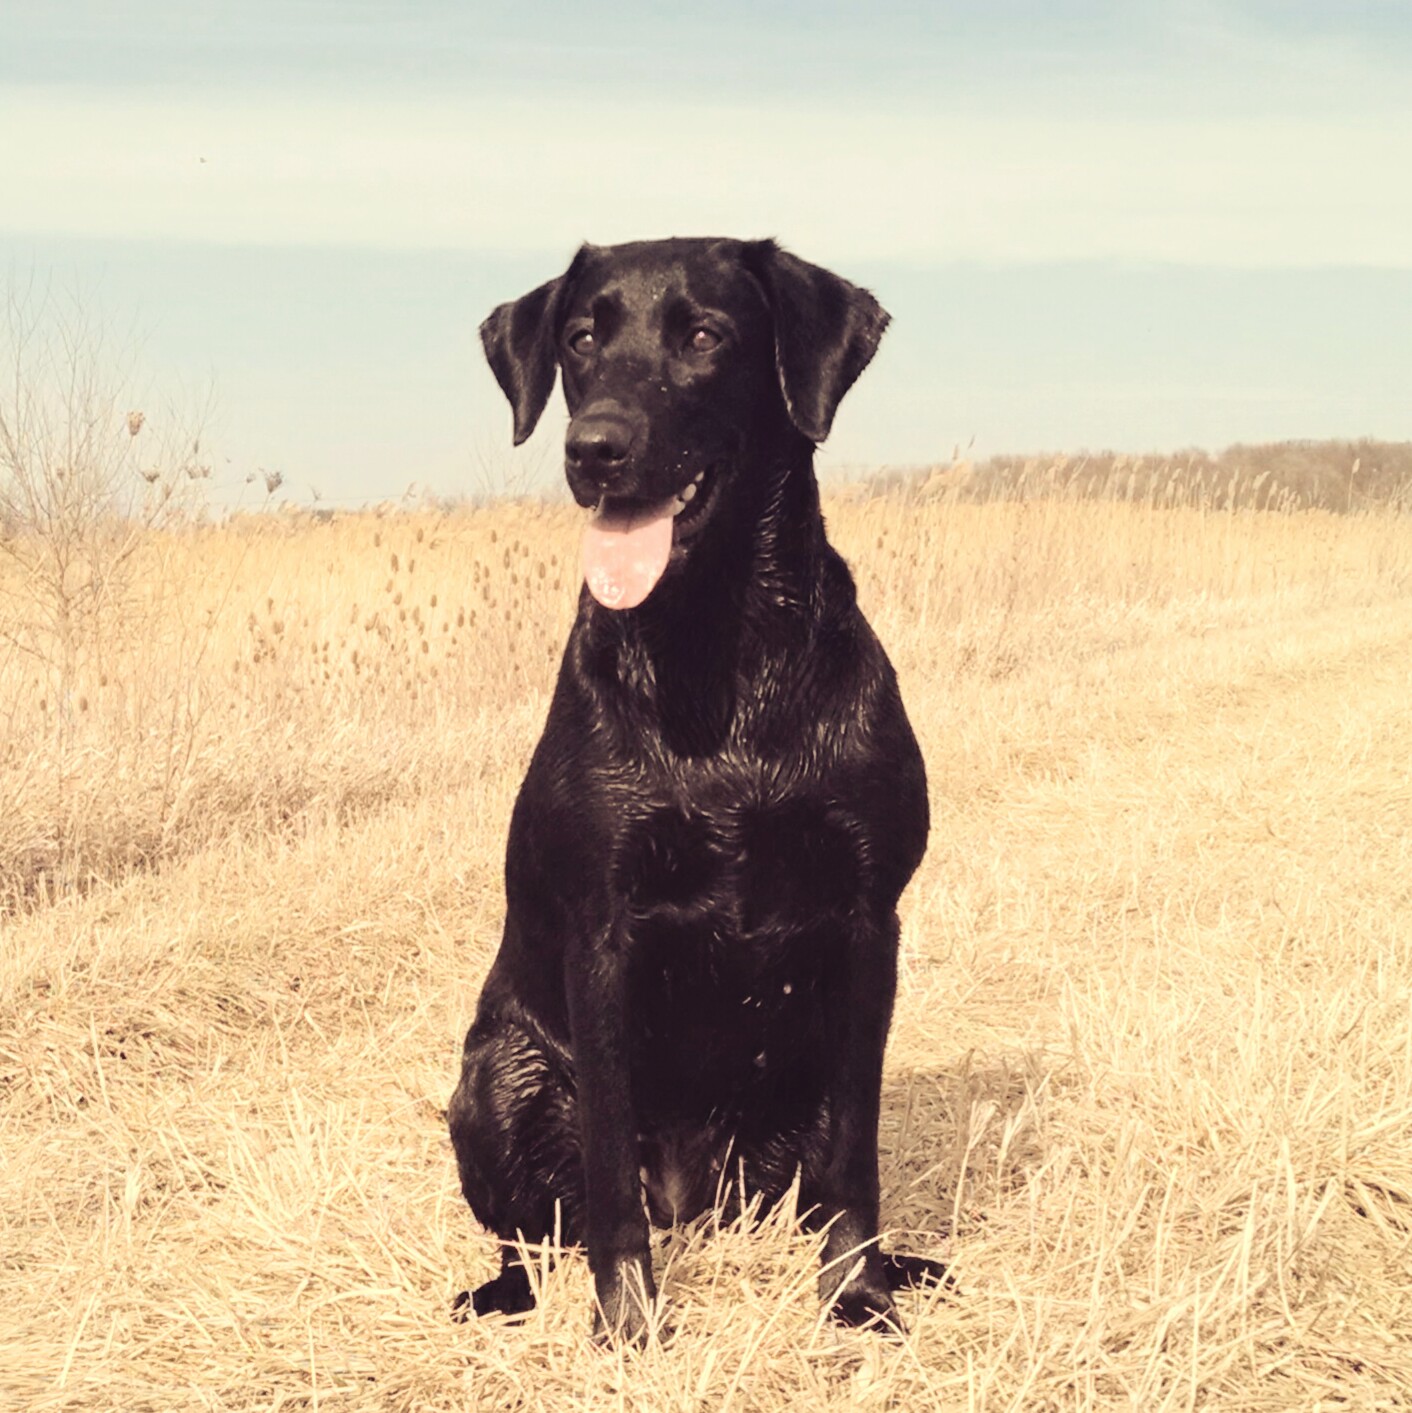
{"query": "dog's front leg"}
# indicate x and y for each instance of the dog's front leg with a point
(615, 1226)
(846, 1188)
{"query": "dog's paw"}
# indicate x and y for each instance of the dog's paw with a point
(627, 1325)
(867, 1305)
(905, 1271)
(508, 1294)
(624, 1310)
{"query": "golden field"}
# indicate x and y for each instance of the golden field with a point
(1150, 1079)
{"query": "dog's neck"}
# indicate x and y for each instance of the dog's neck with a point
(736, 614)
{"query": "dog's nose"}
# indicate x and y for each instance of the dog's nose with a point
(598, 445)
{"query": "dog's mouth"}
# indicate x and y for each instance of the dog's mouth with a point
(628, 542)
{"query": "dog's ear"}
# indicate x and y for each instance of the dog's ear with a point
(519, 339)
(826, 332)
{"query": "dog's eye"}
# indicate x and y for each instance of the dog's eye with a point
(583, 343)
(703, 340)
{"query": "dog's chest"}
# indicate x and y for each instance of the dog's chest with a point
(738, 923)
(738, 909)
(753, 867)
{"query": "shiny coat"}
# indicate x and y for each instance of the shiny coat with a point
(699, 960)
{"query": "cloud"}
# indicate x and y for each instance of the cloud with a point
(911, 184)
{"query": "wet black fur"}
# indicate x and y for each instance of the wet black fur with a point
(699, 959)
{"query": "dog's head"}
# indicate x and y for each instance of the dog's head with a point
(684, 363)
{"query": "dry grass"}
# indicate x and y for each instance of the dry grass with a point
(1150, 1082)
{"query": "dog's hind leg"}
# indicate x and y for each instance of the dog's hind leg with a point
(514, 1126)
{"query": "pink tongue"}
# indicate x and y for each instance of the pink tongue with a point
(625, 552)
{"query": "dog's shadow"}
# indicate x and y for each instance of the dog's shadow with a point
(953, 1140)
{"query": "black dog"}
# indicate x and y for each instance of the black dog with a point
(700, 951)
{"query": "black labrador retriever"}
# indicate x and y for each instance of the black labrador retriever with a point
(700, 952)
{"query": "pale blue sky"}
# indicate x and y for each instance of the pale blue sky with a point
(1095, 224)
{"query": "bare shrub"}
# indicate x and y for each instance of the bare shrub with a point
(87, 479)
